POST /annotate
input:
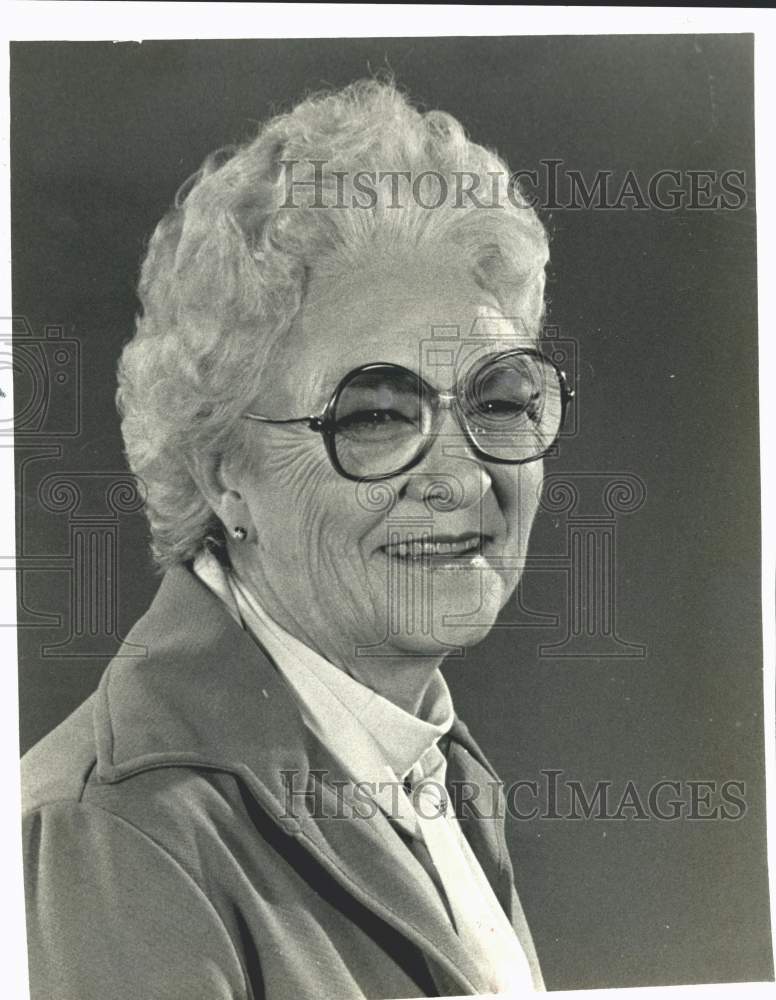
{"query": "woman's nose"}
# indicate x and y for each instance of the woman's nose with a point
(451, 476)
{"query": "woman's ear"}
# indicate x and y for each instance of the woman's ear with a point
(212, 473)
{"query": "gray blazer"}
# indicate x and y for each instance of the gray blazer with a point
(166, 860)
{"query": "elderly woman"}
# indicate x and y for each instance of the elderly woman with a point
(336, 405)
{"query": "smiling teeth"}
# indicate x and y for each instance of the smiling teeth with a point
(419, 549)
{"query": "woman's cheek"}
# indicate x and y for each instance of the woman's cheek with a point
(520, 492)
(334, 532)
(293, 466)
(338, 530)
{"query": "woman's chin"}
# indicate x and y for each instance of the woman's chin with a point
(444, 640)
(466, 625)
(458, 610)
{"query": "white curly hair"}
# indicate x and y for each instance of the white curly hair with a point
(226, 269)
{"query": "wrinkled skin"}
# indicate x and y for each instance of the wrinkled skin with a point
(313, 554)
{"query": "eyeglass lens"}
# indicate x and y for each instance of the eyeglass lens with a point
(511, 406)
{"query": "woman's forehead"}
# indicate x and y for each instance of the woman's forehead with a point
(441, 354)
(433, 324)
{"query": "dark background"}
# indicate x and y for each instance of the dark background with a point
(662, 309)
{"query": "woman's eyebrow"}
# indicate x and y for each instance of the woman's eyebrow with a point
(318, 390)
(321, 385)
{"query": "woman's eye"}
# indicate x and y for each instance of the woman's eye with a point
(512, 407)
(373, 419)
(501, 406)
(370, 417)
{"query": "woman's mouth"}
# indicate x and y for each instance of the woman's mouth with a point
(446, 550)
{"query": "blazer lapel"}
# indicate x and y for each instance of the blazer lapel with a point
(476, 795)
(355, 841)
(481, 809)
(206, 695)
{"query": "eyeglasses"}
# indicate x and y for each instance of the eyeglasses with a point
(382, 419)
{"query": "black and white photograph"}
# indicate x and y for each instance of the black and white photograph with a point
(388, 595)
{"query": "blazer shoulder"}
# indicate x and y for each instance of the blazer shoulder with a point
(104, 914)
(57, 768)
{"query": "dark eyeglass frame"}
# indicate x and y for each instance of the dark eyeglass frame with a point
(326, 425)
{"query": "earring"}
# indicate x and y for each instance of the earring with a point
(240, 534)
